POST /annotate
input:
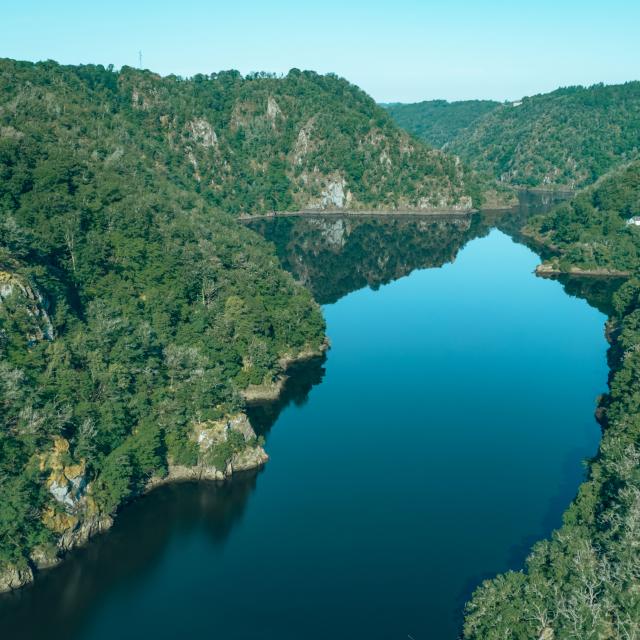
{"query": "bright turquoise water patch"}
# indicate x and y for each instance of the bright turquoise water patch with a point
(446, 436)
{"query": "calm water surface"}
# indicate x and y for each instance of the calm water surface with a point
(444, 433)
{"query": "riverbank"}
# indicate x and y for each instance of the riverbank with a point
(342, 213)
(257, 394)
(550, 269)
(88, 523)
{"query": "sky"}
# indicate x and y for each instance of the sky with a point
(398, 51)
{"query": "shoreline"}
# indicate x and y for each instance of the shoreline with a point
(346, 213)
(13, 577)
(266, 393)
(547, 270)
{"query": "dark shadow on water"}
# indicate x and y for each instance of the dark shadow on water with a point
(62, 599)
(301, 378)
(124, 555)
(519, 551)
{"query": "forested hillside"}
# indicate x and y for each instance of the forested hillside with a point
(438, 122)
(583, 582)
(135, 312)
(249, 144)
(565, 139)
(592, 232)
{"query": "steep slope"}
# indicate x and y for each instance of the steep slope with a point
(565, 139)
(438, 122)
(249, 144)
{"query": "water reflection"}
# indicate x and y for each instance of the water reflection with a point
(63, 597)
(334, 256)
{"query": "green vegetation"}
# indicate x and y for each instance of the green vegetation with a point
(132, 305)
(438, 122)
(583, 582)
(245, 144)
(565, 139)
(591, 232)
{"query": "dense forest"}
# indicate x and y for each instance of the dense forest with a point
(565, 139)
(438, 122)
(135, 311)
(583, 582)
(245, 144)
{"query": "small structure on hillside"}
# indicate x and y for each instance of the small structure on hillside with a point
(635, 220)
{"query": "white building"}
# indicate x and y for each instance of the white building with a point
(634, 221)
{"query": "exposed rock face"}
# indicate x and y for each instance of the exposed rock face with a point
(83, 530)
(202, 133)
(44, 557)
(209, 436)
(11, 284)
(67, 483)
(303, 143)
(273, 110)
(334, 195)
(76, 517)
(12, 577)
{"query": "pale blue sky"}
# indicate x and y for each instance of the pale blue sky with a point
(397, 51)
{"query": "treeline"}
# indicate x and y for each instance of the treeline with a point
(583, 582)
(438, 122)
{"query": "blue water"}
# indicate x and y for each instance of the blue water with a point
(447, 435)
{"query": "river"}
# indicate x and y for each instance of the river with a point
(442, 435)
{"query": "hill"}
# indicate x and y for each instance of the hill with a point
(438, 122)
(592, 232)
(136, 315)
(566, 139)
(246, 144)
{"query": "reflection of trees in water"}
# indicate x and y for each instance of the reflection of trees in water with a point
(301, 378)
(333, 256)
(597, 291)
(123, 556)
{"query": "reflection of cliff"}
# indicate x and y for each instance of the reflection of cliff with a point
(334, 256)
